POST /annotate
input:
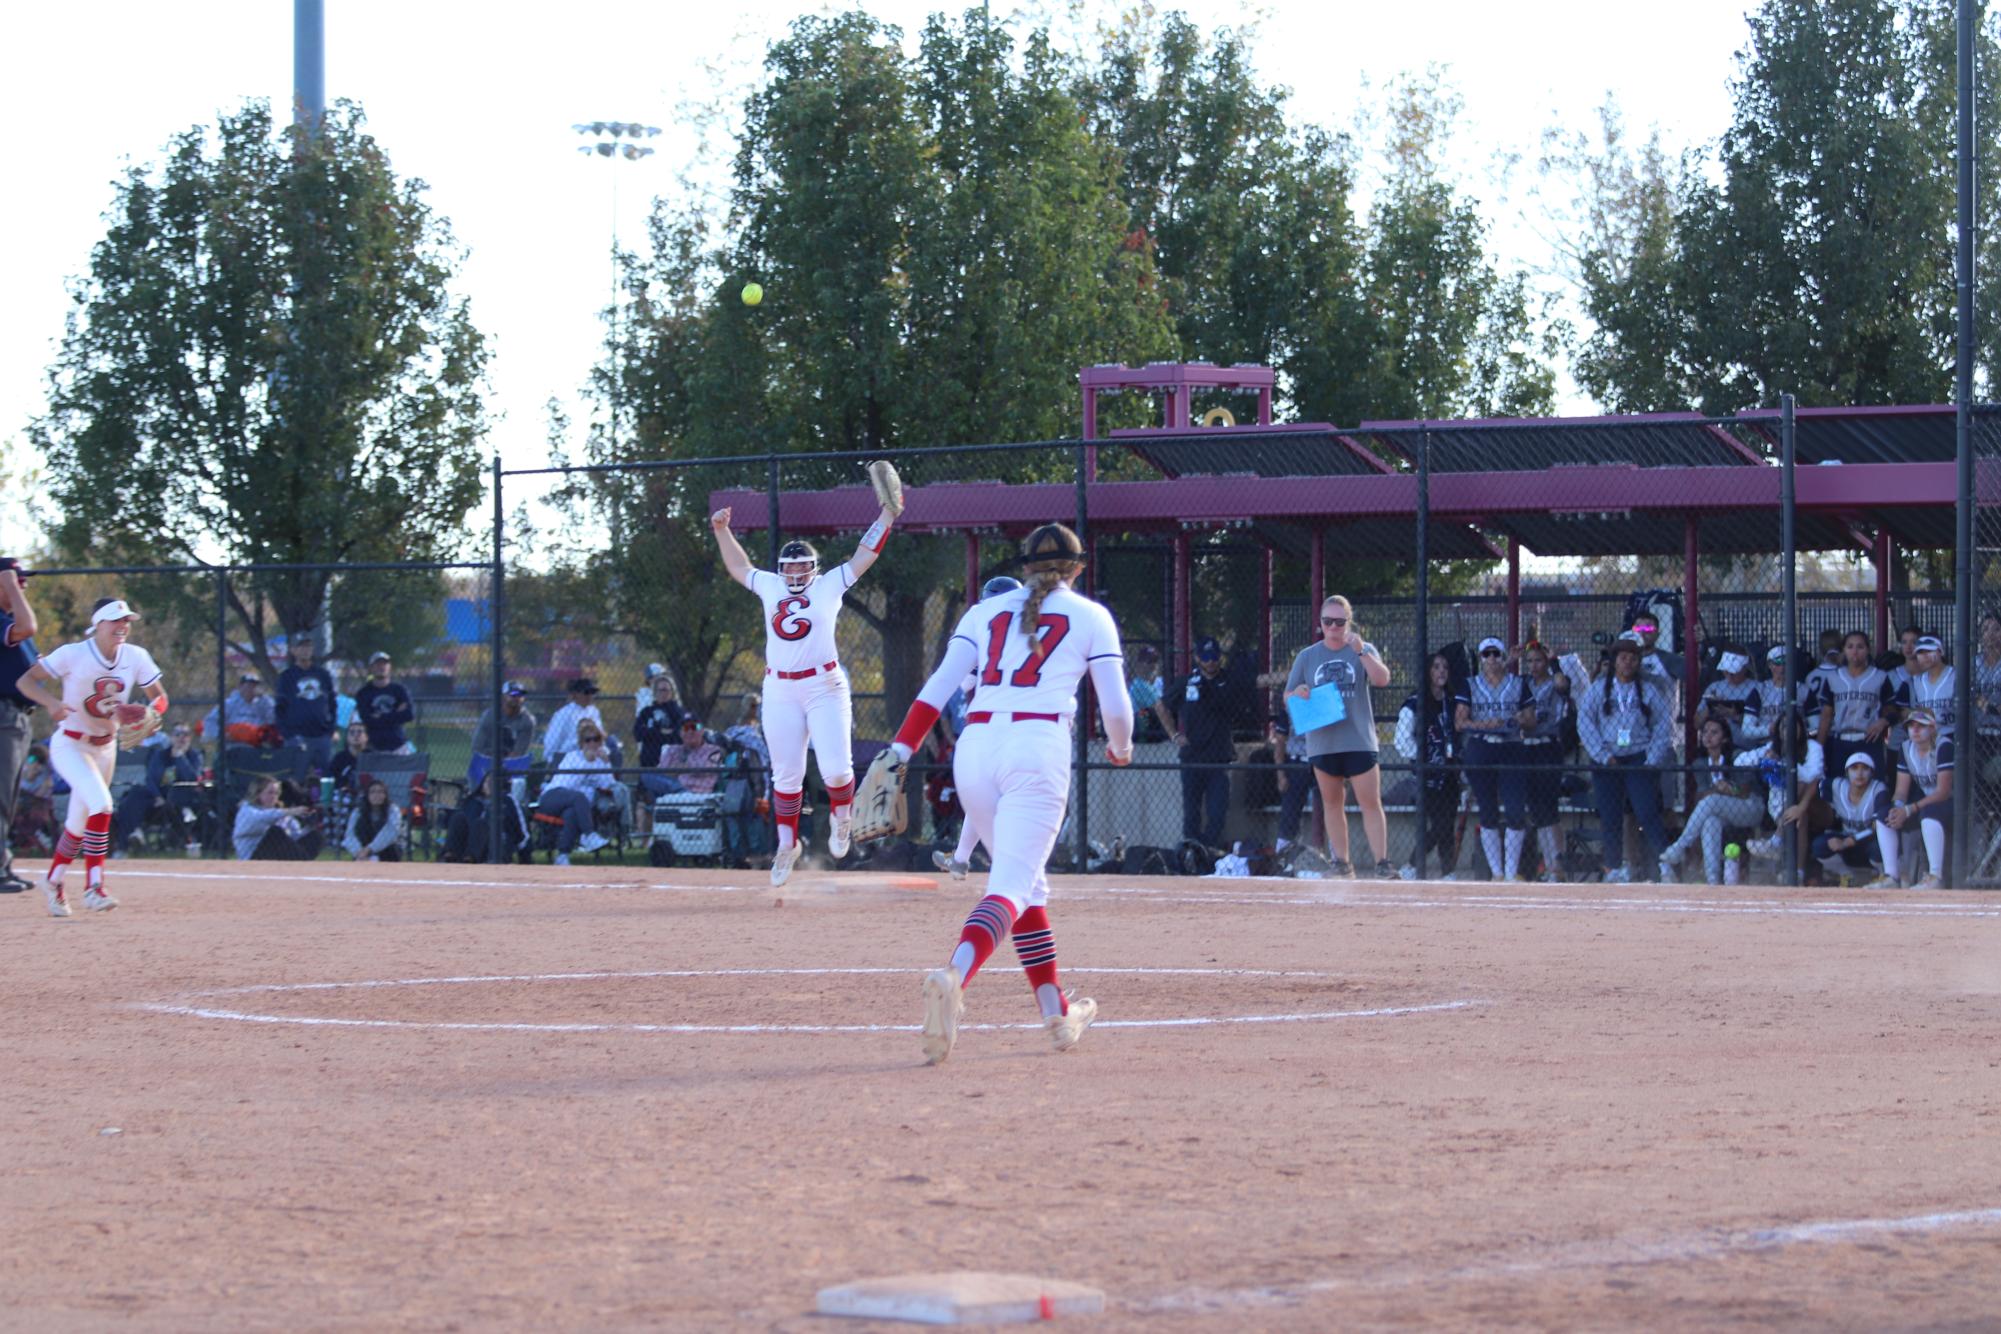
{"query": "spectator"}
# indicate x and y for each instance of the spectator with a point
(1931, 686)
(1827, 662)
(560, 738)
(743, 829)
(748, 734)
(1295, 787)
(657, 725)
(1798, 812)
(1344, 753)
(1426, 729)
(1728, 801)
(248, 717)
(1627, 728)
(1736, 699)
(17, 654)
(1855, 703)
(374, 827)
(467, 837)
(1986, 669)
(1488, 712)
(384, 708)
(1545, 742)
(1664, 668)
(306, 705)
(34, 822)
(342, 767)
(509, 735)
(572, 792)
(1146, 688)
(1773, 705)
(1860, 801)
(1923, 797)
(266, 831)
(1206, 709)
(643, 697)
(173, 776)
(691, 764)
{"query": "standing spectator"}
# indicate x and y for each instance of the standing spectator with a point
(657, 725)
(1923, 797)
(1146, 688)
(1931, 686)
(1344, 753)
(571, 793)
(17, 654)
(1426, 728)
(644, 696)
(374, 826)
(384, 708)
(1545, 742)
(246, 718)
(560, 738)
(466, 835)
(1827, 662)
(1773, 705)
(1626, 725)
(507, 736)
(173, 772)
(1728, 801)
(689, 765)
(1206, 709)
(748, 734)
(1295, 785)
(1855, 703)
(306, 705)
(266, 831)
(1663, 667)
(1488, 713)
(1986, 669)
(1860, 802)
(1736, 699)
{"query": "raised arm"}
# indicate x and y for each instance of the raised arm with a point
(734, 558)
(1373, 666)
(871, 546)
(14, 599)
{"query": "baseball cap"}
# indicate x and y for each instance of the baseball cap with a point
(379, 656)
(582, 685)
(1925, 716)
(1776, 653)
(1627, 641)
(1733, 662)
(655, 669)
(114, 610)
(250, 679)
(1208, 650)
(514, 688)
(695, 723)
(1861, 757)
(1929, 644)
(1492, 643)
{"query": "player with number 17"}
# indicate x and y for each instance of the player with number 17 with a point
(806, 696)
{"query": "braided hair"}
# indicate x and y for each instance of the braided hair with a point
(1050, 556)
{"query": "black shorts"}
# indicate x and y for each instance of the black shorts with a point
(1345, 763)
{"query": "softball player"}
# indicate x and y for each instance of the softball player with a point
(806, 697)
(86, 686)
(1031, 647)
(961, 860)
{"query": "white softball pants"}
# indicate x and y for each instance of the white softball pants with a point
(1014, 783)
(818, 710)
(87, 769)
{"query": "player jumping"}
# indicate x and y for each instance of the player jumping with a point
(87, 687)
(806, 695)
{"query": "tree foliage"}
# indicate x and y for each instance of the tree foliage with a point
(265, 364)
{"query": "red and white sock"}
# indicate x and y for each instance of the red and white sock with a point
(96, 843)
(1035, 946)
(786, 807)
(840, 796)
(68, 845)
(986, 927)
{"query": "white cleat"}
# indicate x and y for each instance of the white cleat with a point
(1065, 1029)
(944, 1002)
(95, 899)
(1884, 882)
(560, 859)
(782, 863)
(1930, 882)
(943, 861)
(837, 836)
(592, 841)
(52, 890)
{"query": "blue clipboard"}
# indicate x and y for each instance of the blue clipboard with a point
(1323, 708)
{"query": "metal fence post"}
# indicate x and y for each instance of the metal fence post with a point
(496, 805)
(222, 835)
(1962, 398)
(1423, 663)
(1081, 740)
(1789, 596)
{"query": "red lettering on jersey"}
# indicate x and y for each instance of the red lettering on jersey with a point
(788, 626)
(1049, 632)
(105, 694)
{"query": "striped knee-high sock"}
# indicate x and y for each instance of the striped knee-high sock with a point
(986, 927)
(1035, 946)
(96, 843)
(840, 796)
(68, 845)
(786, 806)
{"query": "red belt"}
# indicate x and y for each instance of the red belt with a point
(800, 676)
(1017, 717)
(104, 740)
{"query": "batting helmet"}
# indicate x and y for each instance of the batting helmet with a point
(998, 585)
(1051, 542)
(796, 553)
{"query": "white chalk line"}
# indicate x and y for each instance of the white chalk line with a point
(1707, 1244)
(321, 1021)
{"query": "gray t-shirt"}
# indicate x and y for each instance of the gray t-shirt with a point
(1317, 665)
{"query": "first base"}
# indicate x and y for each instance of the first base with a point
(964, 1297)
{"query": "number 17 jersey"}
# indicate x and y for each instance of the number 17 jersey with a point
(1072, 631)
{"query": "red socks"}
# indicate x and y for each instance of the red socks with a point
(1035, 946)
(986, 927)
(840, 796)
(96, 843)
(67, 846)
(786, 806)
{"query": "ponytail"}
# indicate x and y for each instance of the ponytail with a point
(1044, 578)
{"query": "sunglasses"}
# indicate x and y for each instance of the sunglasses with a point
(1333, 620)
(590, 741)
(1491, 653)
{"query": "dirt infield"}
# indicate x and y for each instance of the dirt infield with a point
(460, 1098)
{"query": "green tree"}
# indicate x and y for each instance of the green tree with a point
(265, 364)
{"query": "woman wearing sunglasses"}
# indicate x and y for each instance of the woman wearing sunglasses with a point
(1343, 753)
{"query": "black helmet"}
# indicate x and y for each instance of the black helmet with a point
(792, 553)
(1052, 541)
(998, 585)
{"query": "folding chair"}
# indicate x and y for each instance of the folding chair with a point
(408, 779)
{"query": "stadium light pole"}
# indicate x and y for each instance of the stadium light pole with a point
(309, 63)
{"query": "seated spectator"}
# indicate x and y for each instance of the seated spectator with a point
(1736, 699)
(345, 773)
(172, 773)
(1923, 798)
(467, 838)
(247, 717)
(384, 708)
(1860, 801)
(266, 831)
(374, 827)
(34, 827)
(689, 765)
(657, 724)
(305, 704)
(748, 734)
(508, 736)
(1800, 813)
(746, 792)
(560, 737)
(1729, 800)
(572, 792)
(1627, 728)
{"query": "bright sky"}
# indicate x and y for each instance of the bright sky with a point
(479, 100)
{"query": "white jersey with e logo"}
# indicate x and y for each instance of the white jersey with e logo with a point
(93, 688)
(799, 627)
(1071, 631)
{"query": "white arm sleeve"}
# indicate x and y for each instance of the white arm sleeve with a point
(1115, 702)
(961, 656)
(1406, 738)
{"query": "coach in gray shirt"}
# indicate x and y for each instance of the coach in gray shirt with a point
(1343, 754)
